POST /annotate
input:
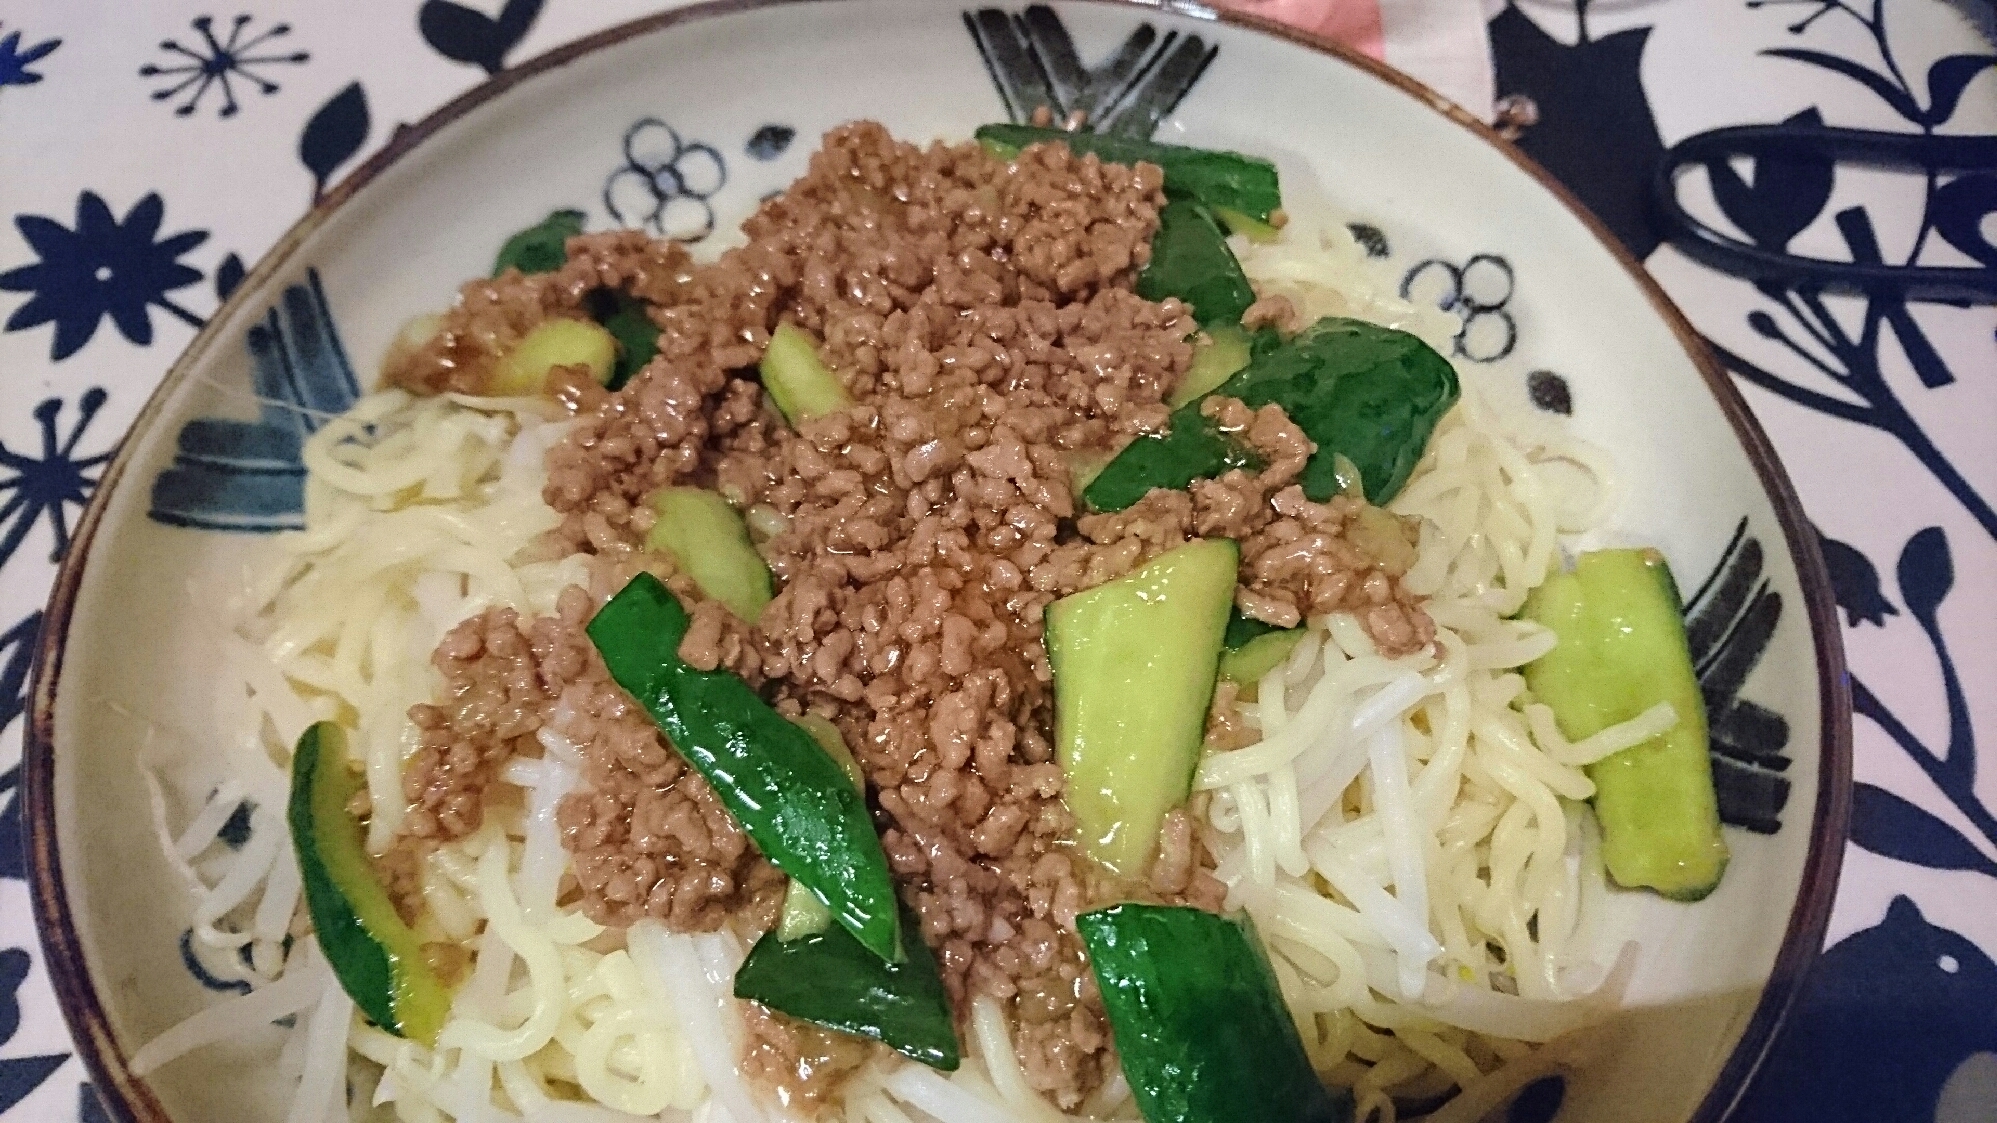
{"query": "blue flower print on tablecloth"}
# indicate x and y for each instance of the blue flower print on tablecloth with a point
(46, 487)
(463, 35)
(1895, 1027)
(1796, 167)
(19, 1075)
(665, 182)
(14, 61)
(221, 63)
(103, 266)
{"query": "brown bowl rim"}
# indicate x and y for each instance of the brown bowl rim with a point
(130, 1099)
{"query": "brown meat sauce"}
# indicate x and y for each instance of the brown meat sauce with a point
(981, 317)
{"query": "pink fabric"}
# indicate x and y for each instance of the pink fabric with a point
(1355, 23)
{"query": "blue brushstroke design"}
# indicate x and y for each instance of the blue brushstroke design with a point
(200, 971)
(249, 476)
(1033, 62)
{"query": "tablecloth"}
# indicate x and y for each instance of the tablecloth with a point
(149, 152)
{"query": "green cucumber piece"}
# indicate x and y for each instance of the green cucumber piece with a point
(828, 979)
(1245, 184)
(1199, 1019)
(1193, 448)
(1134, 663)
(524, 369)
(1368, 393)
(1243, 630)
(377, 958)
(1252, 229)
(1245, 665)
(804, 914)
(542, 247)
(624, 317)
(797, 379)
(1621, 651)
(792, 799)
(1190, 260)
(709, 540)
(1223, 352)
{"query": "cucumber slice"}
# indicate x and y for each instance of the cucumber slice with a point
(797, 379)
(1252, 229)
(377, 958)
(524, 369)
(1622, 650)
(794, 802)
(1200, 1020)
(803, 913)
(1190, 260)
(1247, 664)
(1214, 362)
(828, 978)
(711, 544)
(1134, 663)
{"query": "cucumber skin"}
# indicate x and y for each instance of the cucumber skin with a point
(1190, 260)
(377, 959)
(790, 797)
(796, 379)
(1200, 1021)
(1214, 362)
(1134, 664)
(1622, 650)
(1247, 185)
(1245, 665)
(827, 978)
(1357, 389)
(708, 539)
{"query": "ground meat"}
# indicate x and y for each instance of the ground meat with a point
(647, 835)
(499, 679)
(491, 315)
(1274, 311)
(979, 314)
(801, 1064)
(1183, 871)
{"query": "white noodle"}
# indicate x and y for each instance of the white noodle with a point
(300, 987)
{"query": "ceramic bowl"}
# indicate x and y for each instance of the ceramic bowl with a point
(681, 123)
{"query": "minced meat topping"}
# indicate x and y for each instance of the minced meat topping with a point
(981, 317)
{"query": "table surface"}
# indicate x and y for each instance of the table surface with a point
(1882, 406)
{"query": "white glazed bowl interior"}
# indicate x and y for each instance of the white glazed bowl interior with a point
(135, 660)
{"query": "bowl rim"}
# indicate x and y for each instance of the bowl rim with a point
(130, 1098)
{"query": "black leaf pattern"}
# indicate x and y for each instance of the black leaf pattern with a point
(1926, 572)
(333, 135)
(1855, 583)
(1960, 208)
(228, 275)
(1891, 827)
(770, 141)
(1032, 60)
(1878, 83)
(1946, 80)
(1788, 193)
(463, 35)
